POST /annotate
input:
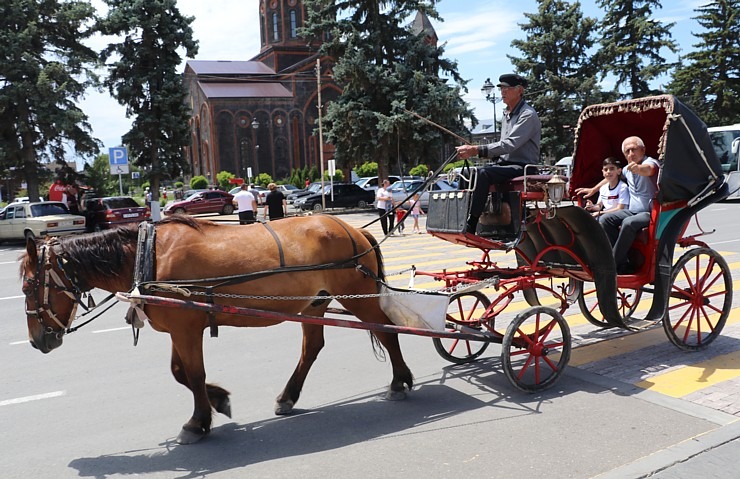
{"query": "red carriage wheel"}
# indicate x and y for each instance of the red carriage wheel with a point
(627, 301)
(536, 348)
(700, 299)
(465, 309)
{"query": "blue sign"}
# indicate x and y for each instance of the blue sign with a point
(118, 156)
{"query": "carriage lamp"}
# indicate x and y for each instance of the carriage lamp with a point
(555, 189)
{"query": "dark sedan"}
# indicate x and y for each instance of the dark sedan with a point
(112, 211)
(211, 201)
(345, 196)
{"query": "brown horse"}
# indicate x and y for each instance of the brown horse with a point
(319, 255)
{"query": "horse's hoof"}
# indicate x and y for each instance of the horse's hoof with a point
(283, 408)
(224, 407)
(395, 395)
(189, 437)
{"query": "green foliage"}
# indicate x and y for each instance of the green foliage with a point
(368, 168)
(453, 165)
(198, 182)
(98, 177)
(222, 178)
(178, 184)
(145, 185)
(45, 69)
(708, 78)
(338, 176)
(385, 69)
(144, 75)
(562, 77)
(313, 174)
(631, 41)
(263, 179)
(419, 170)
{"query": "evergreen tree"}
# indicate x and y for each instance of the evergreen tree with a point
(708, 78)
(562, 76)
(143, 76)
(44, 71)
(631, 41)
(385, 68)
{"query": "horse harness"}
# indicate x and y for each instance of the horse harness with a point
(61, 279)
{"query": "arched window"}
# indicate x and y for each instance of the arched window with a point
(293, 24)
(275, 31)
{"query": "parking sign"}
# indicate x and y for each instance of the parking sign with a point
(118, 158)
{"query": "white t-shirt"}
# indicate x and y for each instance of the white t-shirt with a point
(610, 198)
(244, 199)
(381, 194)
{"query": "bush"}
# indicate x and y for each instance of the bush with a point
(263, 179)
(419, 170)
(178, 185)
(222, 178)
(455, 164)
(198, 183)
(369, 168)
(338, 176)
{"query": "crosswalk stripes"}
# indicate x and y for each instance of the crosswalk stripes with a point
(696, 372)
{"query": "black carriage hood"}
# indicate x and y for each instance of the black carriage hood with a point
(672, 134)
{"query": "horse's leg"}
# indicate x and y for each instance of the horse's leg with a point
(313, 342)
(217, 396)
(188, 348)
(370, 311)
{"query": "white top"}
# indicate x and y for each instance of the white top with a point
(610, 198)
(245, 200)
(383, 198)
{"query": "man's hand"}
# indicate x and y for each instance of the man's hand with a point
(466, 151)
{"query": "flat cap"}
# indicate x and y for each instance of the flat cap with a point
(511, 79)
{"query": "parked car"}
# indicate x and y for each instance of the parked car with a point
(288, 189)
(209, 201)
(398, 193)
(370, 183)
(310, 189)
(37, 220)
(112, 211)
(258, 192)
(346, 195)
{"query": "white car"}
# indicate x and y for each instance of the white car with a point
(401, 190)
(37, 220)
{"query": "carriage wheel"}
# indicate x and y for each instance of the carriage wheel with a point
(588, 303)
(465, 309)
(536, 348)
(701, 299)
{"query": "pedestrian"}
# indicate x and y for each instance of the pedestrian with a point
(246, 205)
(384, 204)
(400, 213)
(519, 145)
(308, 182)
(275, 203)
(72, 198)
(416, 211)
(622, 226)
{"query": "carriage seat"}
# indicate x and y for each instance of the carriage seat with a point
(529, 183)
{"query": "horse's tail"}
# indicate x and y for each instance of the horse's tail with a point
(378, 350)
(378, 255)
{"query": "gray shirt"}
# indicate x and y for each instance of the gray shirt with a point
(520, 136)
(642, 188)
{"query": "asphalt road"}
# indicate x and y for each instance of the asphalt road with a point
(100, 407)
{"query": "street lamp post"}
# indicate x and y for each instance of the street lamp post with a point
(255, 127)
(490, 91)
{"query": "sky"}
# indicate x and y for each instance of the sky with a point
(476, 33)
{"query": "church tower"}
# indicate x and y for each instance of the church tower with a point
(281, 46)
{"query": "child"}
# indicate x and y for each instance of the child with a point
(400, 212)
(415, 212)
(614, 195)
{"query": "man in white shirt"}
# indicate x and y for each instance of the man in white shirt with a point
(246, 205)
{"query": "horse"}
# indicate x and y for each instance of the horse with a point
(303, 257)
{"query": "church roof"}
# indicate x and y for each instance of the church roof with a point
(228, 67)
(244, 90)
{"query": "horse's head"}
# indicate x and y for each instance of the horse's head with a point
(51, 296)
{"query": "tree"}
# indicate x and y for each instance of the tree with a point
(385, 68)
(98, 176)
(708, 78)
(562, 76)
(631, 41)
(44, 71)
(143, 76)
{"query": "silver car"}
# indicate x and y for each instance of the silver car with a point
(400, 190)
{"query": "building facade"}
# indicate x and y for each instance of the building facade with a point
(260, 115)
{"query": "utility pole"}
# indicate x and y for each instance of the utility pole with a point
(321, 133)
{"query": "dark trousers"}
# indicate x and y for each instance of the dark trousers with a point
(387, 220)
(246, 217)
(622, 227)
(491, 175)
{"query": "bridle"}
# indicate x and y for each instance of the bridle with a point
(49, 278)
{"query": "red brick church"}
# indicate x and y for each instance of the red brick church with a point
(261, 113)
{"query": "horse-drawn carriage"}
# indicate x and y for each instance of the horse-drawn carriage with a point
(293, 268)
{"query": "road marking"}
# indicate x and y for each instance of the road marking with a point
(12, 297)
(37, 397)
(109, 330)
(8, 262)
(694, 377)
(16, 343)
